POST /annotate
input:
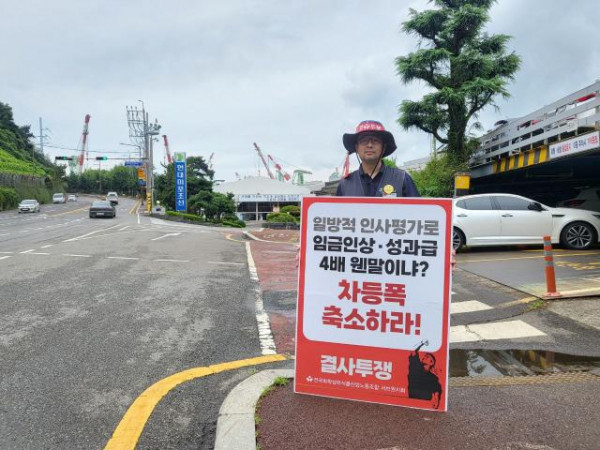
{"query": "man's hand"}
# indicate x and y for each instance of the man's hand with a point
(453, 259)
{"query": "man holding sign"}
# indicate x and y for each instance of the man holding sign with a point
(374, 286)
(372, 143)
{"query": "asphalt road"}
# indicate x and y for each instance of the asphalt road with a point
(94, 311)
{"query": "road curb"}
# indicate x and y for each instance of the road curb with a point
(235, 426)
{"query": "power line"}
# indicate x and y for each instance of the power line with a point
(90, 151)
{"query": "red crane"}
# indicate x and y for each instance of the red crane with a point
(264, 161)
(282, 173)
(83, 155)
(169, 159)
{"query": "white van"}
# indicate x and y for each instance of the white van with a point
(59, 198)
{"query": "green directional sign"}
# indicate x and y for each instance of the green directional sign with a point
(63, 158)
(101, 158)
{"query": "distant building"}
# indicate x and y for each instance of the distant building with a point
(255, 197)
(415, 164)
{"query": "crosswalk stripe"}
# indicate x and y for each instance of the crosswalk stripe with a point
(468, 306)
(493, 331)
(4, 257)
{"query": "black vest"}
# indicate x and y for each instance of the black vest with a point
(352, 185)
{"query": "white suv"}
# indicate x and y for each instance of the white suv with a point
(58, 198)
(113, 198)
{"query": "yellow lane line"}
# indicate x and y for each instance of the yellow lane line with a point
(462, 261)
(130, 428)
(229, 238)
(134, 207)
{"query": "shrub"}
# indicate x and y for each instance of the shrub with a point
(236, 224)
(280, 217)
(8, 198)
(292, 210)
(191, 217)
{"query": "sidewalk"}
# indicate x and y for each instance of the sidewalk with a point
(529, 412)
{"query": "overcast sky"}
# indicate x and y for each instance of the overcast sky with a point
(292, 76)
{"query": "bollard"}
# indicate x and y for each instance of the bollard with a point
(550, 275)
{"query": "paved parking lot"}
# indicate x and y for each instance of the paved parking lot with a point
(522, 268)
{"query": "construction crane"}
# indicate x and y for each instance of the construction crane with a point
(282, 175)
(238, 176)
(210, 161)
(264, 161)
(169, 159)
(83, 154)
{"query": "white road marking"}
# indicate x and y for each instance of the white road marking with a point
(77, 256)
(493, 331)
(172, 260)
(4, 257)
(90, 233)
(120, 257)
(469, 306)
(265, 336)
(10, 253)
(165, 235)
(124, 228)
(27, 251)
(46, 246)
(138, 216)
(39, 253)
(4, 234)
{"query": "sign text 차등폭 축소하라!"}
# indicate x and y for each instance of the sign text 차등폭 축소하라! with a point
(373, 300)
(180, 182)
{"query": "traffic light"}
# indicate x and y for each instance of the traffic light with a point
(101, 158)
(63, 158)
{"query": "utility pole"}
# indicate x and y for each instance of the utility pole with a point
(142, 132)
(41, 141)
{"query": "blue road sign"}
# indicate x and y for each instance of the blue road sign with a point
(134, 163)
(180, 182)
(141, 182)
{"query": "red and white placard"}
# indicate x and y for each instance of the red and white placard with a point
(373, 300)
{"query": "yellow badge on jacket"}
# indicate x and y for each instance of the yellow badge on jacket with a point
(388, 191)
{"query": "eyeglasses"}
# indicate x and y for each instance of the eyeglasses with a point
(366, 140)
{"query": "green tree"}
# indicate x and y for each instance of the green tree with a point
(465, 67)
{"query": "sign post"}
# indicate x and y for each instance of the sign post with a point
(180, 182)
(374, 299)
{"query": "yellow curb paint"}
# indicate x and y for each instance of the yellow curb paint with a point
(132, 424)
(522, 301)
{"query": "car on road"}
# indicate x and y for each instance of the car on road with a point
(113, 198)
(59, 198)
(507, 219)
(102, 208)
(71, 198)
(29, 206)
(588, 199)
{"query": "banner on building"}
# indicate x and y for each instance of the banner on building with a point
(373, 300)
(576, 145)
(180, 182)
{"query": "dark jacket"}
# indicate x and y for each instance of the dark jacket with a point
(359, 184)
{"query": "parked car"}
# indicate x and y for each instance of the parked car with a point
(113, 198)
(29, 206)
(506, 219)
(71, 198)
(59, 198)
(588, 199)
(102, 208)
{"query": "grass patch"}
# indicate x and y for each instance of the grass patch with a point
(279, 381)
(536, 304)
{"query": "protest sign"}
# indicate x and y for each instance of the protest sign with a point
(373, 300)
